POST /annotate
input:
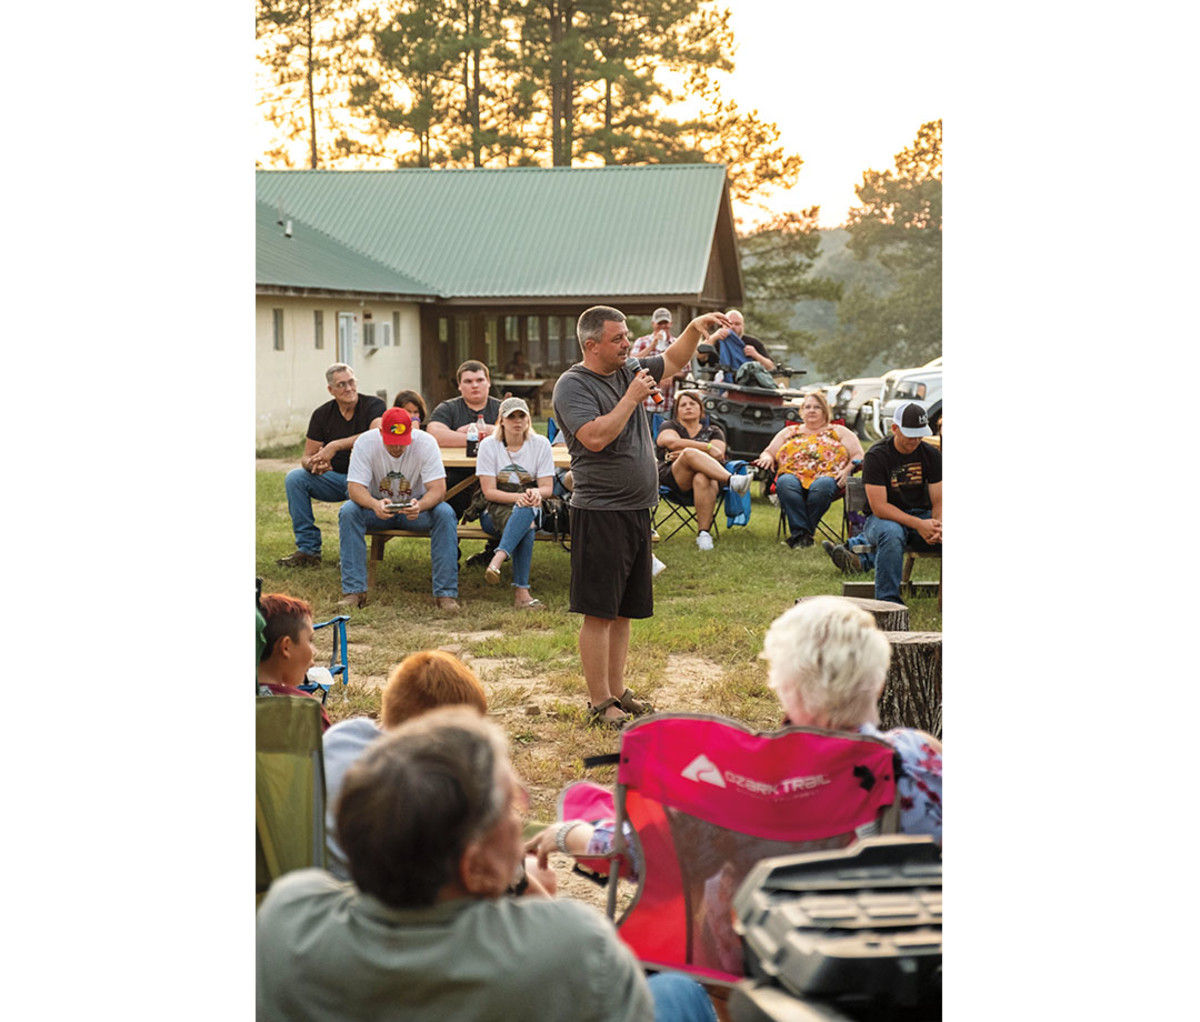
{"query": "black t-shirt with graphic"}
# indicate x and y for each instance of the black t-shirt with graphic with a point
(455, 413)
(326, 425)
(906, 476)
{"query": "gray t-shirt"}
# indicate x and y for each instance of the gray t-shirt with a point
(622, 476)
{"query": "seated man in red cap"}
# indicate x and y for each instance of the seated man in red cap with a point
(396, 481)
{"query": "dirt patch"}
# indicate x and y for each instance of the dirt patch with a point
(276, 464)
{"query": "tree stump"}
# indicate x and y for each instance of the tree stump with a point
(889, 617)
(912, 693)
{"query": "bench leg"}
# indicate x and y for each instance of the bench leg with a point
(374, 558)
(906, 577)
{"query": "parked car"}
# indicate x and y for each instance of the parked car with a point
(849, 398)
(922, 384)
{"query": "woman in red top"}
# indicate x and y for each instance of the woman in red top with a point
(812, 461)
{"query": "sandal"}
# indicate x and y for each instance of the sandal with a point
(492, 574)
(631, 704)
(596, 718)
(533, 604)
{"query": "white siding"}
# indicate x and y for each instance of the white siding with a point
(289, 384)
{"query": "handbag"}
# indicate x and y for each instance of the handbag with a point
(556, 519)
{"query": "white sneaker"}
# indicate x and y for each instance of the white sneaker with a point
(704, 541)
(658, 568)
(739, 484)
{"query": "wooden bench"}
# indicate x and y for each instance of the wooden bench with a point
(379, 541)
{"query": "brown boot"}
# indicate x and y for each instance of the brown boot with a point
(353, 600)
(299, 559)
(447, 604)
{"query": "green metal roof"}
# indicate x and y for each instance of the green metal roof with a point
(506, 233)
(311, 259)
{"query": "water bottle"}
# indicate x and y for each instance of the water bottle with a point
(472, 440)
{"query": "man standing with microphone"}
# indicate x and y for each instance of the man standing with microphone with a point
(616, 488)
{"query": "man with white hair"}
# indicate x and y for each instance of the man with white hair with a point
(332, 430)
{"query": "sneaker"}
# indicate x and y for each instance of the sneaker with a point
(848, 561)
(704, 541)
(299, 559)
(800, 539)
(653, 535)
(353, 600)
(739, 483)
(658, 568)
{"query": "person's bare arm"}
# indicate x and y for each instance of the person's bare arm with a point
(767, 458)
(853, 450)
(679, 355)
(751, 351)
(445, 436)
(603, 430)
(308, 460)
(362, 497)
(668, 438)
(435, 492)
(927, 528)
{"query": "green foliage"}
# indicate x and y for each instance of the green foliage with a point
(899, 223)
(516, 83)
(777, 264)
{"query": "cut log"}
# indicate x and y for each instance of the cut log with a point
(889, 617)
(912, 694)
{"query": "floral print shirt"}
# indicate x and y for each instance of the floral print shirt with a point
(809, 455)
(919, 786)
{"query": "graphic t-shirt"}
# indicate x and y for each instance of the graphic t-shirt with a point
(326, 424)
(518, 471)
(399, 479)
(906, 476)
(455, 413)
(708, 432)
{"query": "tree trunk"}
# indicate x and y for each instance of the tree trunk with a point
(889, 617)
(312, 102)
(912, 694)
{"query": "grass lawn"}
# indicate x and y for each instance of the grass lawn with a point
(699, 652)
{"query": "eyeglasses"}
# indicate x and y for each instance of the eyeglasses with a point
(345, 384)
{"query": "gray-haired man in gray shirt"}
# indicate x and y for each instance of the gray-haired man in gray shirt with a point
(616, 489)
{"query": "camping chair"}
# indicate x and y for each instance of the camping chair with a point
(289, 778)
(677, 511)
(856, 510)
(339, 660)
(825, 530)
(706, 798)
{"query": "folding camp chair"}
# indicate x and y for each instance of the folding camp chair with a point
(289, 777)
(339, 660)
(705, 799)
(825, 530)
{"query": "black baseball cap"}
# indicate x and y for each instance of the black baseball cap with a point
(912, 420)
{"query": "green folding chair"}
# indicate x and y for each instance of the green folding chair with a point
(289, 788)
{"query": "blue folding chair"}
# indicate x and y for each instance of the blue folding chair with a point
(339, 660)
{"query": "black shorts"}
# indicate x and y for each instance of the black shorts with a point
(611, 563)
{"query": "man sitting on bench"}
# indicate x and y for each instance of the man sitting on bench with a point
(903, 480)
(397, 481)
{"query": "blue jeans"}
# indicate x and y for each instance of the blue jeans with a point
(302, 489)
(354, 522)
(889, 539)
(678, 998)
(516, 541)
(805, 508)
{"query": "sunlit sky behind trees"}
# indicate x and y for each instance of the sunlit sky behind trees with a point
(817, 72)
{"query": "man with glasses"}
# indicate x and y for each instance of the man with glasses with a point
(332, 430)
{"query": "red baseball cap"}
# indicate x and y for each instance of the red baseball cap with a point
(396, 427)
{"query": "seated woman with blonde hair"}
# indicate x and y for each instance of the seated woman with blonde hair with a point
(827, 664)
(515, 467)
(812, 460)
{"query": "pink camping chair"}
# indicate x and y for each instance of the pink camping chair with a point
(706, 798)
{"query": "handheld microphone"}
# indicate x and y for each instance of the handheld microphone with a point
(636, 365)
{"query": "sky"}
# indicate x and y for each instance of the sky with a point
(825, 74)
